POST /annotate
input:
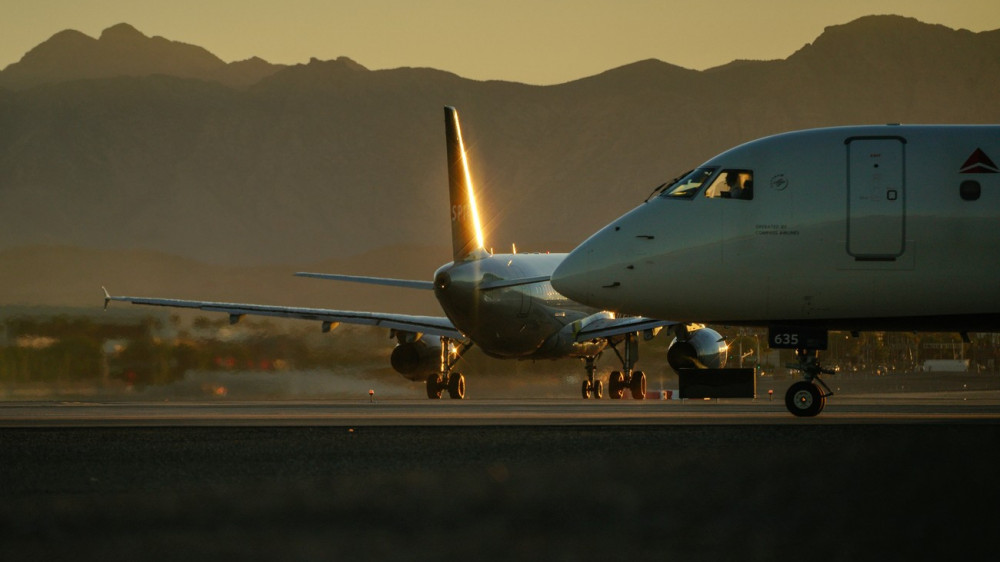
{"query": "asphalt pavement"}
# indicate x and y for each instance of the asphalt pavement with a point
(270, 482)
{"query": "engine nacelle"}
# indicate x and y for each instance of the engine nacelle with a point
(415, 360)
(703, 348)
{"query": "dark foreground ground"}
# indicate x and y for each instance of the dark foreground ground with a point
(717, 492)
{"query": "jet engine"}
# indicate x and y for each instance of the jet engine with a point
(697, 348)
(417, 359)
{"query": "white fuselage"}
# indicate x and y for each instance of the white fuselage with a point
(845, 225)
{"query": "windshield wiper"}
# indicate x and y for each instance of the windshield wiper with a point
(665, 185)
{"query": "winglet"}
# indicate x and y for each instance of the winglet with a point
(466, 230)
(107, 297)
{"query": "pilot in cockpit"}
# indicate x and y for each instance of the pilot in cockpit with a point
(732, 184)
(735, 186)
(740, 185)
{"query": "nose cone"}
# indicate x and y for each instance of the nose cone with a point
(571, 277)
(584, 275)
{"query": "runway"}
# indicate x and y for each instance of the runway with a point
(880, 477)
(899, 408)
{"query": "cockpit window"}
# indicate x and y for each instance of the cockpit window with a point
(732, 184)
(686, 186)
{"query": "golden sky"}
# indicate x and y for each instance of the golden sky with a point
(531, 41)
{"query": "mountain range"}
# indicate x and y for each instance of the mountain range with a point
(145, 150)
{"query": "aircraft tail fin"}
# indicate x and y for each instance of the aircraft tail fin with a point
(466, 230)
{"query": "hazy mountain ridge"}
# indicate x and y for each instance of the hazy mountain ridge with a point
(121, 50)
(329, 159)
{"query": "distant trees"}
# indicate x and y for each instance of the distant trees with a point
(58, 350)
(63, 351)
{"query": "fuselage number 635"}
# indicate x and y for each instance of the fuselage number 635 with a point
(796, 337)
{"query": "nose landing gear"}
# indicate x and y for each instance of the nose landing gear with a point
(807, 398)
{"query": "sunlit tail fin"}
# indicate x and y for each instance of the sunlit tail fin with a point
(466, 231)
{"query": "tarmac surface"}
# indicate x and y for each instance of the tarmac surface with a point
(897, 408)
(906, 476)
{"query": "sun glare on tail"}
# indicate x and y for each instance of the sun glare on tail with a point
(466, 229)
(469, 189)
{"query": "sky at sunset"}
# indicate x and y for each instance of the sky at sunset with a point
(536, 42)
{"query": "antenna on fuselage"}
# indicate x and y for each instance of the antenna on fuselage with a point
(466, 230)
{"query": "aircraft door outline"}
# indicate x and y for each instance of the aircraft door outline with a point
(876, 198)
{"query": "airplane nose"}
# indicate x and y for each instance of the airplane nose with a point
(574, 277)
(592, 273)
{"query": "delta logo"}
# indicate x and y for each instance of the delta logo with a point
(979, 163)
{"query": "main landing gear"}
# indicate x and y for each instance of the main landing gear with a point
(807, 398)
(593, 385)
(618, 381)
(451, 351)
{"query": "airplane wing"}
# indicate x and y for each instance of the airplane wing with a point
(430, 325)
(516, 282)
(405, 283)
(426, 285)
(609, 327)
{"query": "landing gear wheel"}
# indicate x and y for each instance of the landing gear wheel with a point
(596, 389)
(805, 399)
(616, 385)
(638, 386)
(434, 387)
(456, 386)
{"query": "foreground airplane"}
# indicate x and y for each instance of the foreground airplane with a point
(846, 228)
(502, 303)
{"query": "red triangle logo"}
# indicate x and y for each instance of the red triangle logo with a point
(979, 163)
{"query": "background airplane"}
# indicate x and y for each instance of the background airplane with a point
(502, 303)
(846, 228)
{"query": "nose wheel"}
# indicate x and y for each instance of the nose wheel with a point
(807, 398)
